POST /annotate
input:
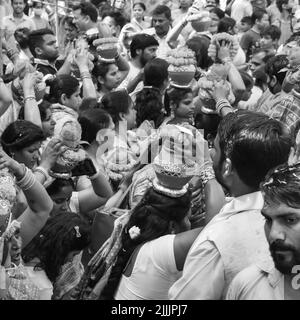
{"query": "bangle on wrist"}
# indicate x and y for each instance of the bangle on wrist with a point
(29, 98)
(207, 173)
(43, 171)
(27, 181)
(221, 103)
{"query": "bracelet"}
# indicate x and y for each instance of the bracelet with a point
(29, 98)
(43, 172)
(207, 174)
(221, 103)
(86, 77)
(85, 74)
(27, 181)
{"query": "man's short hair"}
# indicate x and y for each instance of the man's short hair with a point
(254, 143)
(120, 20)
(272, 31)
(275, 66)
(87, 9)
(162, 9)
(36, 39)
(141, 41)
(258, 15)
(22, 37)
(247, 20)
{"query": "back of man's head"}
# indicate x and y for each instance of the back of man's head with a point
(254, 143)
(141, 42)
(156, 73)
(36, 39)
(87, 9)
(275, 67)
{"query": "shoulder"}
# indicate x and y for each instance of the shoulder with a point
(244, 281)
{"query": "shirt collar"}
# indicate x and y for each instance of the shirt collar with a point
(274, 276)
(44, 63)
(12, 18)
(247, 202)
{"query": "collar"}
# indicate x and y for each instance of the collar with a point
(12, 18)
(92, 31)
(247, 202)
(274, 276)
(44, 63)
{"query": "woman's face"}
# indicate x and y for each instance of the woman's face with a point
(130, 117)
(74, 101)
(214, 23)
(71, 32)
(112, 79)
(62, 198)
(138, 12)
(48, 124)
(186, 107)
(29, 155)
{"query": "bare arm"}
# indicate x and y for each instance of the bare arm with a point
(236, 81)
(123, 66)
(5, 97)
(175, 32)
(182, 243)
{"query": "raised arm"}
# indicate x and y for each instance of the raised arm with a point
(5, 97)
(39, 203)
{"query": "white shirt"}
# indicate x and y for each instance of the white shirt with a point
(207, 272)
(164, 48)
(153, 273)
(241, 9)
(257, 282)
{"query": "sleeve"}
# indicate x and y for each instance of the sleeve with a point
(232, 293)
(163, 253)
(245, 42)
(203, 275)
(74, 202)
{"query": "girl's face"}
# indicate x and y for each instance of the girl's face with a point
(29, 155)
(186, 107)
(74, 101)
(214, 23)
(48, 124)
(138, 12)
(130, 117)
(112, 79)
(62, 198)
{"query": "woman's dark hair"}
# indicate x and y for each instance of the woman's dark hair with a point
(56, 240)
(58, 184)
(149, 106)
(200, 46)
(156, 73)
(115, 103)
(141, 4)
(176, 95)
(91, 122)
(63, 84)
(100, 70)
(225, 24)
(247, 79)
(19, 135)
(153, 216)
(217, 11)
(254, 143)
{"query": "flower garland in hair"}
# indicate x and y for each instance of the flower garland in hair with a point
(134, 232)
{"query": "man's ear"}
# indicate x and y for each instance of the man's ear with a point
(38, 51)
(273, 81)
(139, 52)
(100, 80)
(63, 98)
(227, 167)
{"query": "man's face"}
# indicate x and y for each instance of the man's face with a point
(161, 24)
(71, 32)
(244, 27)
(257, 62)
(210, 4)
(110, 22)
(49, 49)
(263, 23)
(282, 228)
(79, 20)
(148, 54)
(18, 6)
(266, 42)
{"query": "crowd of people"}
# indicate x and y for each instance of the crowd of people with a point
(150, 150)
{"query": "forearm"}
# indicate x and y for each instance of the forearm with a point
(122, 64)
(236, 81)
(223, 107)
(31, 109)
(101, 185)
(88, 86)
(5, 97)
(175, 32)
(65, 68)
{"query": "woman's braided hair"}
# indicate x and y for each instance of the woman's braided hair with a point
(152, 216)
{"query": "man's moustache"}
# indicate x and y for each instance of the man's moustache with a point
(280, 247)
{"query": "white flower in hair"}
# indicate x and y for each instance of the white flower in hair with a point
(134, 232)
